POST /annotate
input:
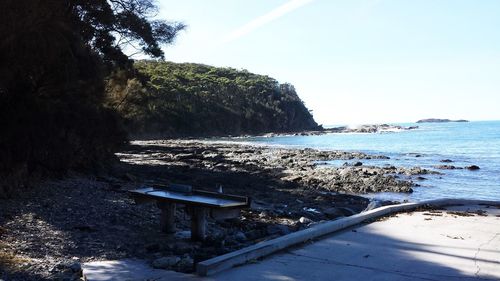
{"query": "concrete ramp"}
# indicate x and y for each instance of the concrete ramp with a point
(459, 243)
(424, 245)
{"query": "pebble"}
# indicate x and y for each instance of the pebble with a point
(185, 264)
(304, 220)
(240, 236)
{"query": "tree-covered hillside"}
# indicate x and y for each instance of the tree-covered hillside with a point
(54, 56)
(171, 99)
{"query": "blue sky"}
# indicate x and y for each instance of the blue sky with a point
(355, 61)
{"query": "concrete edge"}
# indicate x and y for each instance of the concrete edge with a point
(242, 256)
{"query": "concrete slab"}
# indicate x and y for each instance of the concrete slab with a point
(129, 270)
(424, 245)
(414, 246)
(260, 250)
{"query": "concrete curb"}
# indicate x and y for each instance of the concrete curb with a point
(242, 256)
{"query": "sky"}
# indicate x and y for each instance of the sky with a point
(355, 61)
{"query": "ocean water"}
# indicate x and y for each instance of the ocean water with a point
(473, 143)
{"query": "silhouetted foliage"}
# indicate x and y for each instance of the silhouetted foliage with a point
(170, 99)
(54, 55)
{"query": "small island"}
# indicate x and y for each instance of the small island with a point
(436, 120)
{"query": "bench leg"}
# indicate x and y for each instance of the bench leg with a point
(198, 223)
(167, 218)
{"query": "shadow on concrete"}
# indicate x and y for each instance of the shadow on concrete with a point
(364, 254)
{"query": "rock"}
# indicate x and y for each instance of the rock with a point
(345, 172)
(254, 234)
(185, 234)
(333, 213)
(263, 214)
(304, 220)
(217, 233)
(67, 275)
(277, 229)
(446, 167)
(222, 166)
(415, 171)
(76, 267)
(185, 264)
(218, 158)
(240, 236)
(472, 168)
(294, 178)
(183, 156)
(357, 164)
(165, 262)
(446, 161)
(366, 129)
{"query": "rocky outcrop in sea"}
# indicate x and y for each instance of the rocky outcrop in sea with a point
(374, 128)
(436, 120)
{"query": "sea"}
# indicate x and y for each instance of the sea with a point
(466, 144)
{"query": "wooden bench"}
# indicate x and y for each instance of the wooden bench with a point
(199, 204)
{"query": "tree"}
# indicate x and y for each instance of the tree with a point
(54, 55)
(198, 100)
(109, 26)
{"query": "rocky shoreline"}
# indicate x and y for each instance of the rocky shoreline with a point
(372, 128)
(49, 230)
(304, 168)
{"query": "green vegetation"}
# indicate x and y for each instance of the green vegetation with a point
(54, 55)
(67, 89)
(170, 99)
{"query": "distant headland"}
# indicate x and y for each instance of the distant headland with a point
(435, 120)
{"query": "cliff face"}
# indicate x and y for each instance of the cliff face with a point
(188, 99)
